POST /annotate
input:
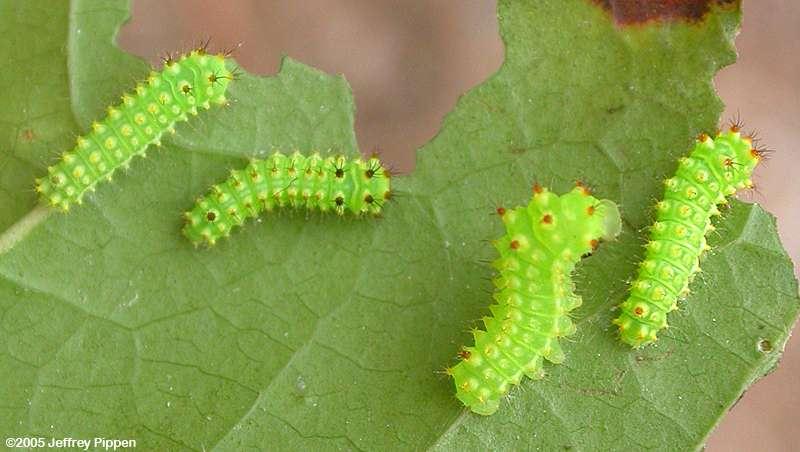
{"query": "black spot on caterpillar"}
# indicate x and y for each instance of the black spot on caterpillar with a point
(313, 182)
(194, 80)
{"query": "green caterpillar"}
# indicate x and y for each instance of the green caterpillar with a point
(715, 169)
(191, 81)
(328, 184)
(543, 242)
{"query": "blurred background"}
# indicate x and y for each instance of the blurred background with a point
(408, 61)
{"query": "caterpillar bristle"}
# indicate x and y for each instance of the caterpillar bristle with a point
(202, 48)
(584, 189)
(735, 123)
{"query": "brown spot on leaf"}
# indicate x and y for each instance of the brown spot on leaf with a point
(28, 135)
(632, 12)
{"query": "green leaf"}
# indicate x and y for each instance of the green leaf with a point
(318, 332)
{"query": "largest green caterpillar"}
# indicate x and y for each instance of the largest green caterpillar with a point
(184, 85)
(543, 242)
(716, 168)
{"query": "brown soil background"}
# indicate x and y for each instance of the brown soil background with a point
(408, 61)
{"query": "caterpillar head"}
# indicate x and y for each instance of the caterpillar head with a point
(202, 77)
(602, 216)
(736, 155)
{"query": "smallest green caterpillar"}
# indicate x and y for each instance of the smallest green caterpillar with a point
(312, 182)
